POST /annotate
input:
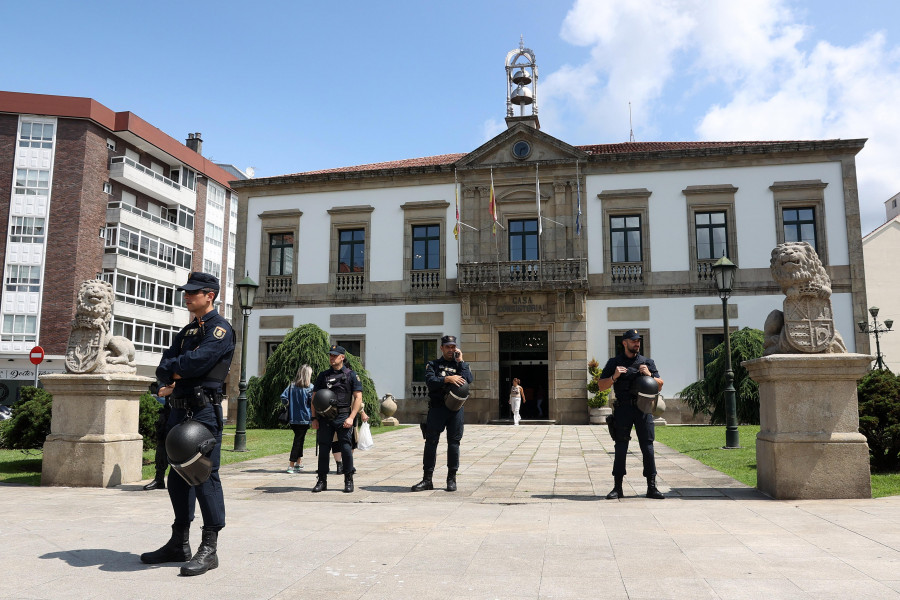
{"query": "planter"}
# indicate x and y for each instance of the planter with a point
(597, 416)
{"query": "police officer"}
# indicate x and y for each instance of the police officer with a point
(620, 373)
(159, 479)
(448, 369)
(192, 375)
(347, 388)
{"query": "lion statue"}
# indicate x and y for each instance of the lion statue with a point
(92, 348)
(806, 325)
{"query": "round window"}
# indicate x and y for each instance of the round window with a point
(521, 149)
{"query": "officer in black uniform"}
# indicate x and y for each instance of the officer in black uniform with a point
(161, 462)
(448, 369)
(347, 388)
(192, 376)
(619, 373)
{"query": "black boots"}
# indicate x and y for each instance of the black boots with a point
(451, 480)
(321, 485)
(425, 484)
(340, 468)
(652, 492)
(177, 549)
(616, 492)
(157, 484)
(206, 558)
(348, 483)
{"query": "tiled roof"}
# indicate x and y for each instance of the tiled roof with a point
(626, 147)
(425, 161)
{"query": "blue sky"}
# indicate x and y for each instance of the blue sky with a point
(295, 86)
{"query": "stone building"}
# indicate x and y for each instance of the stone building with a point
(582, 243)
(881, 248)
(96, 193)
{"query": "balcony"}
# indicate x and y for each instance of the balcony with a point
(425, 281)
(705, 271)
(135, 175)
(281, 286)
(567, 273)
(350, 283)
(627, 273)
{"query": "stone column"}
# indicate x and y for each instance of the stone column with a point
(94, 439)
(809, 444)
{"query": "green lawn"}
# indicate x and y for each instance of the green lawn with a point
(704, 443)
(24, 466)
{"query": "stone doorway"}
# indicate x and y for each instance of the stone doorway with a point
(524, 354)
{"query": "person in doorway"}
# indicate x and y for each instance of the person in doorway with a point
(620, 373)
(516, 397)
(449, 369)
(347, 388)
(192, 374)
(297, 396)
(539, 401)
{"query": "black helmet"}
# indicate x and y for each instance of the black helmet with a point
(325, 403)
(645, 386)
(188, 447)
(456, 395)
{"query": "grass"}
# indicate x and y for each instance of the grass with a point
(704, 443)
(24, 466)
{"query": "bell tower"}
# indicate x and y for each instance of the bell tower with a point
(521, 86)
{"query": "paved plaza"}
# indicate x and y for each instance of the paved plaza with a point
(529, 521)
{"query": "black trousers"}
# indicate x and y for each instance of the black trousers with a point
(161, 460)
(299, 437)
(439, 418)
(326, 432)
(628, 415)
(208, 494)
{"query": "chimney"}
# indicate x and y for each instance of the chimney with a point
(194, 142)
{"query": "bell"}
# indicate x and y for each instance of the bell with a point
(521, 77)
(521, 96)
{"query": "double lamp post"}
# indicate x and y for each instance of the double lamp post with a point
(874, 327)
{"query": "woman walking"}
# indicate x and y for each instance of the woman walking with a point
(516, 397)
(297, 398)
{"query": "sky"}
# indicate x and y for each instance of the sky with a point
(292, 86)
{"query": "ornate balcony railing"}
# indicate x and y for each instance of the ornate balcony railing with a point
(418, 390)
(704, 270)
(280, 285)
(350, 283)
(568, 273)
(425, 281)
(628, 273)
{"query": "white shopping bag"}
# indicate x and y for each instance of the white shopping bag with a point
(365, 441)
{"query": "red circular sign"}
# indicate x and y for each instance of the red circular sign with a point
(36, 355)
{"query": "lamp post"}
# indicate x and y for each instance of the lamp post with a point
(246, 294)
(876, 329)
(724, 271)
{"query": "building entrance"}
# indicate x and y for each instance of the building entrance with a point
(524, 354)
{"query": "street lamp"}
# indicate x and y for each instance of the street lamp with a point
(876, 329)
(246, 294)
(724, 271)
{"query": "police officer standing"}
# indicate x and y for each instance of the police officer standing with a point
(449, 369)
(347, 389)
(192, 374)
(620, 373)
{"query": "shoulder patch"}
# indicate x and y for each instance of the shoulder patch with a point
(219, 333)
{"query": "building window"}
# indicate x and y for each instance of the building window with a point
(28, 230)
(212, 267)
(271, 347)
(184, 176)
(232, 242)
(111, 144)
(426, 252)
(352, 251)
(36, 135)
(712, 235)
(19, 328)
(424, 351)
(625, 238)
(234, 206)
(352, 346)
(107, 187)
(147, 337)
(32, 182)
(281, 254)
(709, 343)
(182, 216)
(133, 289)
(215, 197)
(23, 278)
(213, 234)
(136, 244)
(523, 240)
(799, 225)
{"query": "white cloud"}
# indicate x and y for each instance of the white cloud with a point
(670, 57)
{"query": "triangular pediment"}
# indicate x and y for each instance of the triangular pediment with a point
(519, 144)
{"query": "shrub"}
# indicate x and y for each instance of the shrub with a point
(598, 398)
(29, 425)
(305, 344)
(149, 416)
(708, 394)
(879, 418)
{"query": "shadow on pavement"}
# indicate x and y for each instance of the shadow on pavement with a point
(106, 560)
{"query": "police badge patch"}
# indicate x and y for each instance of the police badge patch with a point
(219, 333)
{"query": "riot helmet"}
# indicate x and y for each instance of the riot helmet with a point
(188, 448)
(645, 386)
(325, 403)
(456, 395)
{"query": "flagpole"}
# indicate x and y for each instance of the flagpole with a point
(537, 194)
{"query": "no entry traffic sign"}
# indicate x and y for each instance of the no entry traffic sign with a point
(36, 355)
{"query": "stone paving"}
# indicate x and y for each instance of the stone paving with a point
(529, 521)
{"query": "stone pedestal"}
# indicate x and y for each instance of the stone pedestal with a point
(390, 422)
(94, 439)
(809, 445)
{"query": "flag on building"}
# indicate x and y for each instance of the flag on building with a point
(578, 214)
(537, 197)
(493, 206)
(456, 227)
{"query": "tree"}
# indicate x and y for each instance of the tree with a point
(305, 344)
(879, 418)
(29, 424)
(708, 395)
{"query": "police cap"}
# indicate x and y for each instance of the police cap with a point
(448, 340)
(199, 281)
(631, 334)
(337, 350)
